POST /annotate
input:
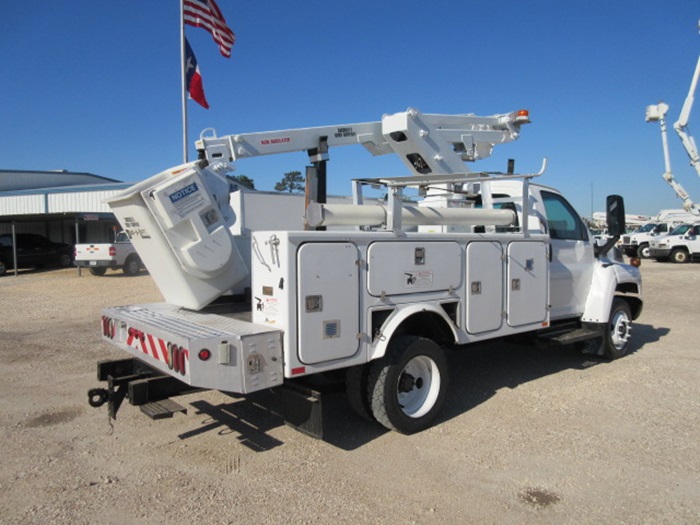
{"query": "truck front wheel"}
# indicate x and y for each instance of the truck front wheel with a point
(409, 384)
(616, 334)
(643, 251)
(679, 255)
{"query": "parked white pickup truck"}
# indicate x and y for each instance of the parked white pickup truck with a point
(101, 257)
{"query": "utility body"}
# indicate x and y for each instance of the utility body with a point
(100, 257)
(373, 291)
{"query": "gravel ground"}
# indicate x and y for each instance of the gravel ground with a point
(528, 435)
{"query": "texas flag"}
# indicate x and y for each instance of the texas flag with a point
(193, 80)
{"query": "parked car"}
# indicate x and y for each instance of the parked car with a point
(33, 251)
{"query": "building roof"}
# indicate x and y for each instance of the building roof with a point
(13, 180)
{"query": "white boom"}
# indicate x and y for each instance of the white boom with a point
(426, 143)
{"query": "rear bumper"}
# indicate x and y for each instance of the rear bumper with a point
(96, 264)
(213, 351)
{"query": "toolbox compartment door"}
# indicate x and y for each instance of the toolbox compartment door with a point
(484, 286)
(328, 301)
(527, 283)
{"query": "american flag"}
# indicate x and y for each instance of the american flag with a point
(206, 14)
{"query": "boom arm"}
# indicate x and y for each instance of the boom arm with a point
(426, 143)
(681, 125)
(658, 112)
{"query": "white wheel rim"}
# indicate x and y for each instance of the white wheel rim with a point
(620, 330)
(418, 386)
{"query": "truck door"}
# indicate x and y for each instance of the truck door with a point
(571, 264)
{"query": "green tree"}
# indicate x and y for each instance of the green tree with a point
(243, 180)
(293, 181)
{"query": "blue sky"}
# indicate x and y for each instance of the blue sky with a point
(95, 85)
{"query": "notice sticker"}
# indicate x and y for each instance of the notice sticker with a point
(187, 199)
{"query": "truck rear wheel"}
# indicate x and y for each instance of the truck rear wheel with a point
(98, 271)
(409, 384)
(132, 265)
(679, 255)
(356, 390)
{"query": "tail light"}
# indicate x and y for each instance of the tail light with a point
(112, 251)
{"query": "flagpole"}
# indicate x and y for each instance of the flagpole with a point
(182, 80)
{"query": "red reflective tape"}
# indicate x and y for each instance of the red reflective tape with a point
(185, 359)
(164, 352)
(152, 346)
(298, 370)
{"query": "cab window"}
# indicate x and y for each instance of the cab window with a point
(562, 221)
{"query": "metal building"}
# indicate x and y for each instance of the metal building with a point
(61, 205)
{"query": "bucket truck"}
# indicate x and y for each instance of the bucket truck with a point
(374, 291)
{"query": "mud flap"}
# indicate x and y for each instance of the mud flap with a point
(301, 409)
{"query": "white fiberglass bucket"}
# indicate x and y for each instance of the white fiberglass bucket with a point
(179, 222)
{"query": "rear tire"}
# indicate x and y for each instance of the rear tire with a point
(680, 256)
(132, 265)
(356, 390)
(65, 260)
(99, 271)
(409, 384)
(3, 267)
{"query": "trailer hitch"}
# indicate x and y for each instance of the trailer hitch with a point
(97, 397)
(113, 395)
(142, 385)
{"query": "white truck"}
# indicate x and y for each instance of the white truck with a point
(378, 296)
(636, 243)
(680, 246)
(100, 257)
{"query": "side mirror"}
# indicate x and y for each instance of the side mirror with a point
(615, 216)
(615, 210)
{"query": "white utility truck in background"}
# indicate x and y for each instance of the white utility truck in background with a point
(636, 243)
(101, 257)
(680, 246)
(374, 294)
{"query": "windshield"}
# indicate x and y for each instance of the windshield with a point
(646, 228)
(680, 229)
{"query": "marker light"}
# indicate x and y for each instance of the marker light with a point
(204, 354)
(522, 116)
